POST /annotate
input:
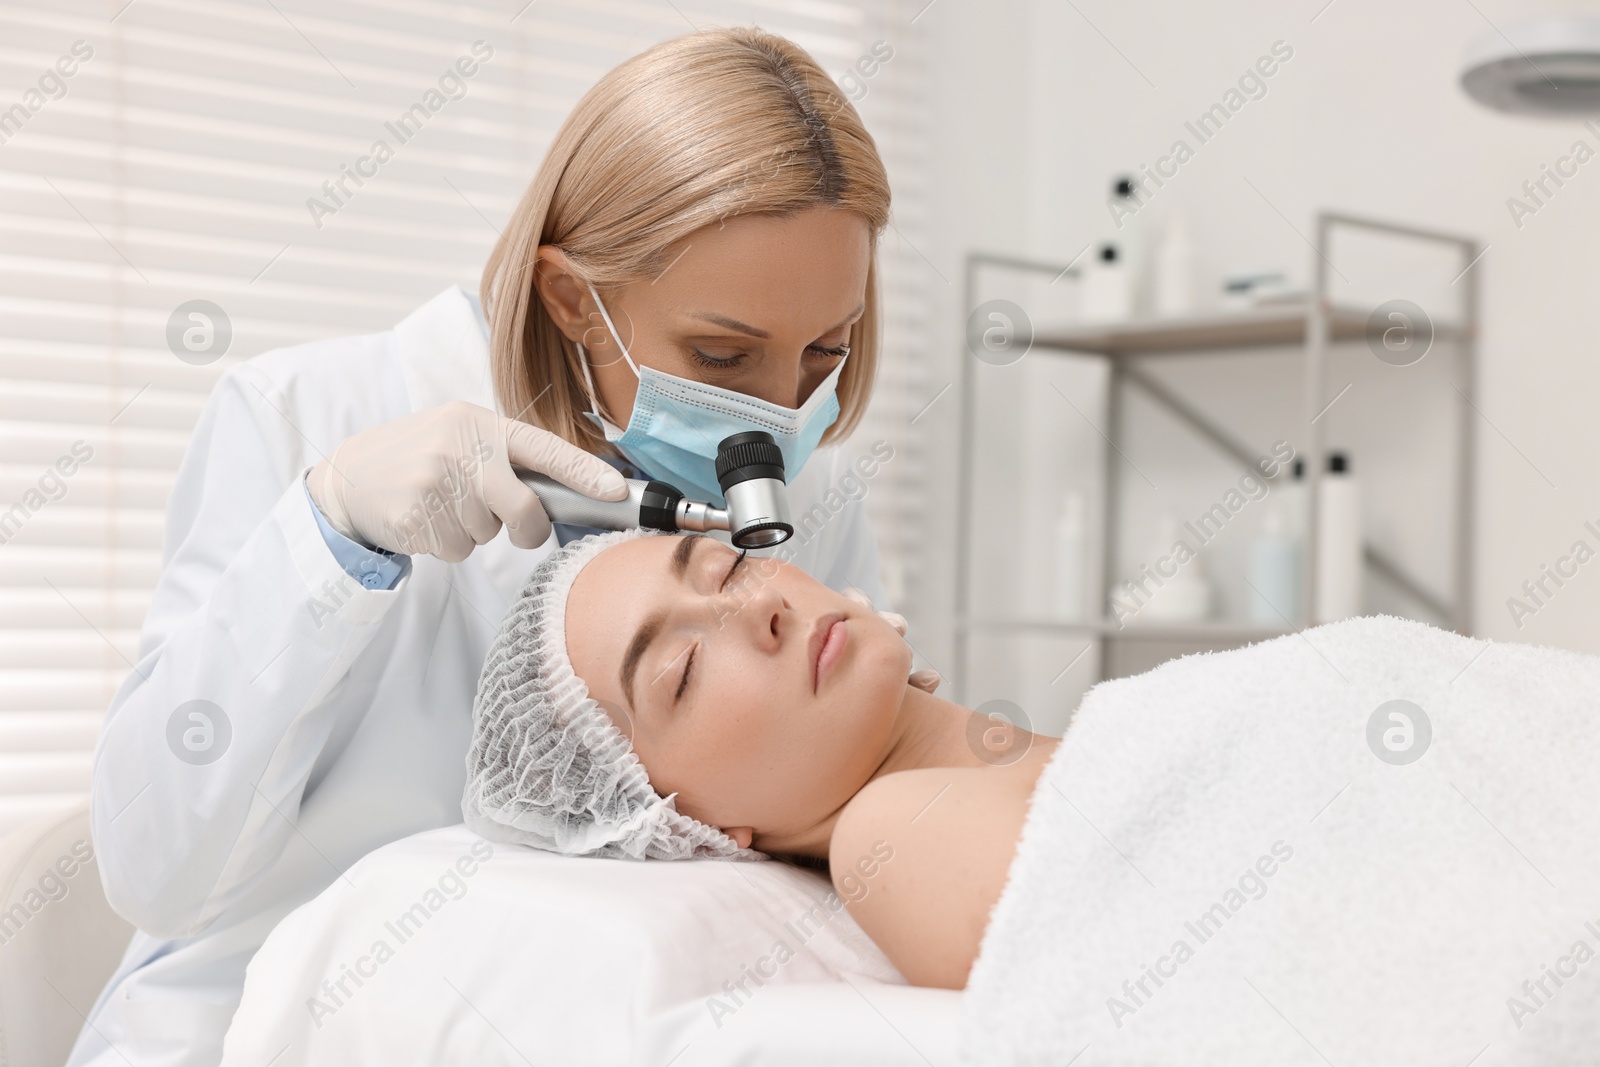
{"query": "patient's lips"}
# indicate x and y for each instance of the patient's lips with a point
(826, 645)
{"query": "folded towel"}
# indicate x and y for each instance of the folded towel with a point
(1259, 857)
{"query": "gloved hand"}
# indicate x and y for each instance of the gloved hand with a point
(440, 482)
(926, 679)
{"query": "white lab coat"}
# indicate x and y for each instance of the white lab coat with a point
(350, 708)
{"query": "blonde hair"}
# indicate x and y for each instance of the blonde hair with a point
(695, 130)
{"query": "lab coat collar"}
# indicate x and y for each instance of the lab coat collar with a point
(444, 352)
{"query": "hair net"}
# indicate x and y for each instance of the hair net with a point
(547, 766)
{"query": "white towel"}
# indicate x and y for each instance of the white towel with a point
(1216, 867)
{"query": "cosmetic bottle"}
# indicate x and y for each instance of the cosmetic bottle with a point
(1133, 243)
(1182, 596)
(1273, 596)
(1105, 292)
(1172, 277)
(1339, 545)
(1292, 501)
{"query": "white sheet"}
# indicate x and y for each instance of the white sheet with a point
(1229, 861)
(530, 958)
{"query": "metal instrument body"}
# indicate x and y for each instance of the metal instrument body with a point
(749, 468)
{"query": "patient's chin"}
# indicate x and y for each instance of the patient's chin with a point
(886, 660)
(869, 700)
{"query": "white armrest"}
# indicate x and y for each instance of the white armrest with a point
(59, 940)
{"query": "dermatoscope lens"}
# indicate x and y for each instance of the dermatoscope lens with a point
(750, 471)
(763, 537)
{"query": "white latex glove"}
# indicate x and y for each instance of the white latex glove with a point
(440, 481)
(926, 679)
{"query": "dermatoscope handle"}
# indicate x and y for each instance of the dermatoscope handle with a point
(749, 469)
(648, 504)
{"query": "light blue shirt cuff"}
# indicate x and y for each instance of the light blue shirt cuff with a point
(374, 568)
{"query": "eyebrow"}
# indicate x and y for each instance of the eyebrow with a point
(753, 331)
(651, 628)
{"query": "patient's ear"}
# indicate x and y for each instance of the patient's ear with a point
(742, 835)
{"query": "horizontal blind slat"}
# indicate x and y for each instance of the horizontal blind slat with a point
(58, 729)
(70, 568)
(21, 809)
(52, 690)
(41, 648)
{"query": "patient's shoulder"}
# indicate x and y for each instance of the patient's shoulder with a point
(920, 857)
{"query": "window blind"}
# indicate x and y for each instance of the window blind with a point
(159, 153)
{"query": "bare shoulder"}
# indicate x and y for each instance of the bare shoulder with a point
(920, 857)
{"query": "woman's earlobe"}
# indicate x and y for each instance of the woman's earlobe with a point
(742, 835)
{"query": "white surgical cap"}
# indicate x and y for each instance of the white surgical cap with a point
(547, 766)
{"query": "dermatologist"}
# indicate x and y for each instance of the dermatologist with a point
(695, 256)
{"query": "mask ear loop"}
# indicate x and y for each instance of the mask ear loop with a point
(583, 355)
(612, 329)
(588, 379)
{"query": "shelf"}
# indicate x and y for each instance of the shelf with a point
(1274, 324)
(1277, 329)
(1206, 631)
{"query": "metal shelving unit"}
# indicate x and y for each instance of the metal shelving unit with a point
(1315, 325)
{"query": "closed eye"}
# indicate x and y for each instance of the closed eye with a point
(683, 683)
(726, 578)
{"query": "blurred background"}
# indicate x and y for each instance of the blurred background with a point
(1350, 262)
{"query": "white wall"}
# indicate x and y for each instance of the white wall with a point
(1036, 110)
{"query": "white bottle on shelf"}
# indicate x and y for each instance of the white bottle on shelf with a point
(1173, 281)
(1339, 545)
(1067, 552)
(1186, 595)
(1133, 243)
(1105, 293)
(1274, 592)
(1292, 500)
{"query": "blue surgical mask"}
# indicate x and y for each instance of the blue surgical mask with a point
(676, 423)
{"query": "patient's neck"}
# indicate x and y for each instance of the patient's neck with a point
(931, 732)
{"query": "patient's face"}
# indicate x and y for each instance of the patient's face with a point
(711, 671)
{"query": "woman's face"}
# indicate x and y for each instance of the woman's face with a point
(760, 304)
(712, 671)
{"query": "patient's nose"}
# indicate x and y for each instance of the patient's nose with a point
(754, 608)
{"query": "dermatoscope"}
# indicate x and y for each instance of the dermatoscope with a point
(749, 469)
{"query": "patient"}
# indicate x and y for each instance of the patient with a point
(653, 696)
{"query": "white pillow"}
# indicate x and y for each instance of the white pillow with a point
(444, 948)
